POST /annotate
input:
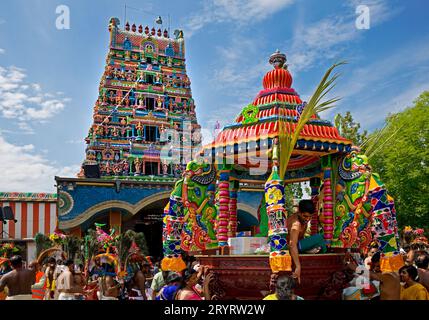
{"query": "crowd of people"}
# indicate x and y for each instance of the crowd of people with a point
(64, 280)
(411, 282)
(58, 280)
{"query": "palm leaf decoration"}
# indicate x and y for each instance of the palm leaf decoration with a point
(289, 134)
(91, 245)
(373, 142)
(71, 245)
(140, 240)
(123, 244)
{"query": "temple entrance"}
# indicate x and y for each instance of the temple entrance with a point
(149, 221)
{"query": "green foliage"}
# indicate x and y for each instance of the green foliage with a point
(350, 129)
(140, 240)
(71, 246)
(90, 244)
(293, 191)
(42, 243)
(403, 162)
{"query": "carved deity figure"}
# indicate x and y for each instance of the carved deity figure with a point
(164, 168)
(159, 103)
(139, 128)
(137, 164)
(107, 168)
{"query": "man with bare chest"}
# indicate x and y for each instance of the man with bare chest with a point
(18, 281)
(297, 226)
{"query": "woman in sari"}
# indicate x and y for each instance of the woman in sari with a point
(412, 289)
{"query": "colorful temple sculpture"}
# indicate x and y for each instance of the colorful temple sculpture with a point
(354, 208)
(144, 104)
(144, 132)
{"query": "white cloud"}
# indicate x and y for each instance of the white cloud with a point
(238, 72)
(2, 51)
(25, 128)
(329, 37)
(26, 171)
(237, 11)
(26, 101)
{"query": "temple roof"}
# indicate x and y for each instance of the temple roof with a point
(260, 121)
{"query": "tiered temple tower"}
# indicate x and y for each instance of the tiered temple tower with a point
(144, 118)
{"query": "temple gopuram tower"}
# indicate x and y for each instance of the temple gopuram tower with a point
(144, 112)
(143, 133)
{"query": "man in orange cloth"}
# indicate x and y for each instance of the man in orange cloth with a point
(38, 289)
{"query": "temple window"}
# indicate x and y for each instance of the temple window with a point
(151, 134)
(151, 168)
(150, 103)
(149, 60)
(149, 78)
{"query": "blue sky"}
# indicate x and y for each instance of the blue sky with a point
(49, 78)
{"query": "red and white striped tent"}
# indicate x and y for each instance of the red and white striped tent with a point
(35, 212)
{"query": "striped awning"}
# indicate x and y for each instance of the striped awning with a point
(32, 217)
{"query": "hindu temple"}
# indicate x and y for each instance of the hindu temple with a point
(144, 131)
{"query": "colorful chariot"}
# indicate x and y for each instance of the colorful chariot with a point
(276, 140)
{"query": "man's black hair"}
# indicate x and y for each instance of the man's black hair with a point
(284, 287)
(51, 260)
(422, 261)
(16, 261)
(376, 257)
(68, 262)
(306, 206)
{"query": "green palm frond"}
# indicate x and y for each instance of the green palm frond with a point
(373, 151)
(289, 134)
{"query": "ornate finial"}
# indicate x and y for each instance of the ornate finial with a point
(277, 59)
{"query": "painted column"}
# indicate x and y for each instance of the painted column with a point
(172, 225)
(315, 185)
(232, 225)
(280, 259)
(328, 214)
(131, 167)
(115, 221)
(223, 187)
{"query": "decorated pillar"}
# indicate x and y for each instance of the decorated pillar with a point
(223, 187)
(328, 214)
(315, 186)
(280, 259)
(232, 225)
(172, 225)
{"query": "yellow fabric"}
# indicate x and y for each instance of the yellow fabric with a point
(271, 297)
(391, 264)
(281, 263)
(173, 264)
(415, 292)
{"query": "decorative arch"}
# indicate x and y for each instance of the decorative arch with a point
(117, 204)
(245, 207)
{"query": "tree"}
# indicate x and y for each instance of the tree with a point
(349, 129)
(403, 162)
